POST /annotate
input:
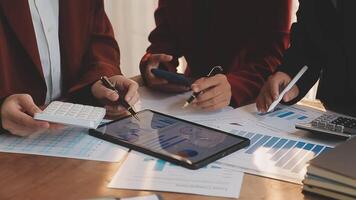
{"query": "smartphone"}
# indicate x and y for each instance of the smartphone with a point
(171, 77)
(175, 140)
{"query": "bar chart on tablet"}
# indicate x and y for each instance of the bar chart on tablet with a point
(274, 156)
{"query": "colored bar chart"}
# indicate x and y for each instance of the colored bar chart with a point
(288, 157)
(285, 113)
(289, 115)
(283, 119)
(283, 149)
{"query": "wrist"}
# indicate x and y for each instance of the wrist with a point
(143, 66)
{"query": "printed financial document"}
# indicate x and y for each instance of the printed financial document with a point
(141, 172)
(71, 143)
(277, 149)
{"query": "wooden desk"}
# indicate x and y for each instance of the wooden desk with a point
(41, 177)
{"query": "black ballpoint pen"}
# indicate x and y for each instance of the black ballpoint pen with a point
(122, 100)
(196, 94)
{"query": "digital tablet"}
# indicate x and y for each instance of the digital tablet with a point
(175, 140)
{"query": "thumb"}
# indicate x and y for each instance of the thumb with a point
(27, 104)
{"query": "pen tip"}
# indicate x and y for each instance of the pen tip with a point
(135, 116)
(186, 104)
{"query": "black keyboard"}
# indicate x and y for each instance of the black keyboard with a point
(346, 122)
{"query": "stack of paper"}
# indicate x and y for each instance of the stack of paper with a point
(333, 173)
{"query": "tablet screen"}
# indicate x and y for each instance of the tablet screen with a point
(169, 136)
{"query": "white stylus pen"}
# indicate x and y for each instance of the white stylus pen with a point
(286, 89)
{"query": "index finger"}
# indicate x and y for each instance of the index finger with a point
(155, 59)
(205, 83)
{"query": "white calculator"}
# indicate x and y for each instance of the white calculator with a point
(72, 114)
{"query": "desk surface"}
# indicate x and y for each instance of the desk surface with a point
(41, 177)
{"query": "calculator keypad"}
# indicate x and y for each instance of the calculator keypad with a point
(75, 114)
(334, 123)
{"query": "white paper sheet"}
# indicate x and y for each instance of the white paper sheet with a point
(282, 122)
(171, 104)
(143, 172)
(277, 149)
(148, 197)
(72, 143)
(274, 156)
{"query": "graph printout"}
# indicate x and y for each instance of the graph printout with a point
(72, 143)
(143, 172)
(274, 156)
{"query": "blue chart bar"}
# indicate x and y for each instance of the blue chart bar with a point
(285, 114)
(283, 150)
(316, 150)
(290, 154)
(255, 138)
(159, 166)
(254, 147)
(302, 117)
(277, 146)
(271, 142)
(306, 149)
(276, 113)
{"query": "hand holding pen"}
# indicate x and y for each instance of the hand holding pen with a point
(211, 92)
(111, 99)
(106, 82)
(270, 94)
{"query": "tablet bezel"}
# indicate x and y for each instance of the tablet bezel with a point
(194, 165)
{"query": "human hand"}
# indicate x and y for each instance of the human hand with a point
(153, 62)
(110, 98)
(271, 89)
(216, 92)
(17, 113)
